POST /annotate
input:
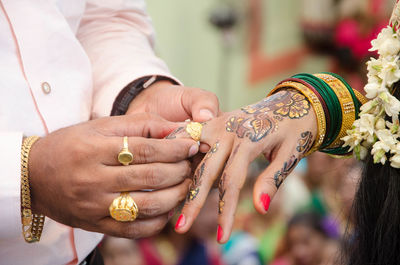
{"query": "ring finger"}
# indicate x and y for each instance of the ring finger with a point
(147, 151)
(147, 176)
(153, 203)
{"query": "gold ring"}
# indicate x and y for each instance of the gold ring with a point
(125, 157)
(194, 130)
(123, 208)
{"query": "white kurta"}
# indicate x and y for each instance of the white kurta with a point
(86, 51)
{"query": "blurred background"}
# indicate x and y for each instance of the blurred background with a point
(239, 50)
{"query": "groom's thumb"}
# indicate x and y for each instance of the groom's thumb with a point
(200, 104)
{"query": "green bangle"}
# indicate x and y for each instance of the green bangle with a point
(337, 151)
(326, 99)
(337, 113)
(332, 103)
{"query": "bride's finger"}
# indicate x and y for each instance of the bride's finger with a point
(208, 133)
(205, 175)
(271, 179)
(288, 156)
(230, 184)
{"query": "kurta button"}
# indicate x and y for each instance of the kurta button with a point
(46, 88)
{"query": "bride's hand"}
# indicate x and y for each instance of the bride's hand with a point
(282, 127)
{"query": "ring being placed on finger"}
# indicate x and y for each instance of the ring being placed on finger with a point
(125, 157)
(194, 130)
(123, 208)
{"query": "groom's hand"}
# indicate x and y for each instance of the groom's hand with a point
(176, 103)
(75, 174)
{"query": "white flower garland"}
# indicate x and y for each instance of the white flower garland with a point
(371, 131)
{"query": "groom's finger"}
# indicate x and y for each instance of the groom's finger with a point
(202, 105)
(152, 176)
(148, 150)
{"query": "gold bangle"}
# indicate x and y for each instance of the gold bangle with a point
(346, 104)
(360, 97)
(32, 224)
(317, 107)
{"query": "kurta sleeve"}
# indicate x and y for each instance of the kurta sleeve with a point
(10, 184)
(118, 37)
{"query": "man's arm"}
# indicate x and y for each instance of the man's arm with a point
(118, 38)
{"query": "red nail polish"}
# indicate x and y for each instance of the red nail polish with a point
(220, 233)
(181, 221)
(265, 200)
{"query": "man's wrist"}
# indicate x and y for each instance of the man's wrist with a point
(132, 90)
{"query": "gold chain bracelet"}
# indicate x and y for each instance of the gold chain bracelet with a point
(32, 224)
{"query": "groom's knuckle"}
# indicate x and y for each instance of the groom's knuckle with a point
(145, 153)
(132, 231)
(151, 177)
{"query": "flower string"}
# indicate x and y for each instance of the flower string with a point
(377, 128)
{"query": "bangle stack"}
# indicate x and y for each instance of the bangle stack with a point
(335, 104)
(32, 224)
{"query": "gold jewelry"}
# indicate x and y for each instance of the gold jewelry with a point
(32, 223)
(125, 157)
(317, 107)
(123, 208)
(346, 104)
(360, 97)
(194, 130)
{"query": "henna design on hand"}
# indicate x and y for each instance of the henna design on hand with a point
(213, 150)
(198, 175)
(294, 106)
(305, 142)
(221, 184)
(289, 103)
(222, 190)
(255, 128)
(194, 189)
(281, 175)
(303, 145)
(259, 123)
(174, 133)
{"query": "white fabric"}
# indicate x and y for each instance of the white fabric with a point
(87, 51)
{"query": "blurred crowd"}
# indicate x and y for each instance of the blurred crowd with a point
(305, 224)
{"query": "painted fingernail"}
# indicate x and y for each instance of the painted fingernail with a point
(205, 114)
(193, 150)
(265, 200)
(181, 221)
(220, 233)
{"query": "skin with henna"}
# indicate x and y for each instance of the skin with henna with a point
(281, 127)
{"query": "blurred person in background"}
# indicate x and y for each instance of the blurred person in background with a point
(310, 240)
(120, 251)
(347, 192)
(243, 246)
(324, 178)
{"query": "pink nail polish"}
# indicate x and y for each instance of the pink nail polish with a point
(220, 233)
(181, 222)
(265, 200)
